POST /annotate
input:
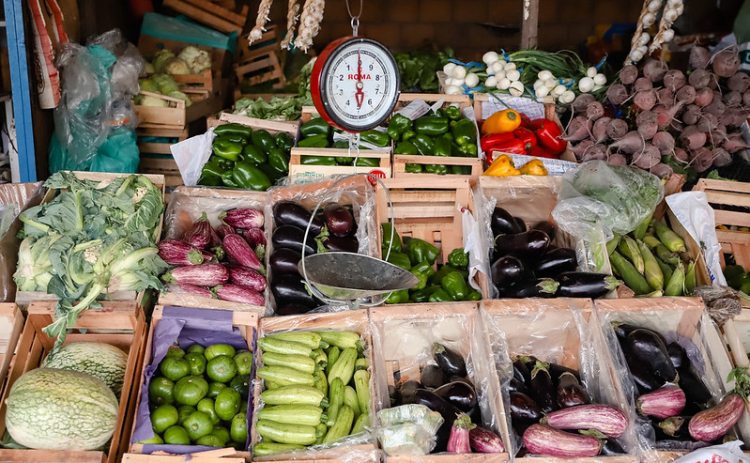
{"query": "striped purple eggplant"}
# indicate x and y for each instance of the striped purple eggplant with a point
(208, 257)
(199, 275)
(709, 425)
(606, 419)
(224, 230)
(246, 277)
(243, 218)
(197, 291)
(546, 440)
(255, 237)
(237, 248)
(664, 402)
(237, 293)
(178, 253)
(200, 235)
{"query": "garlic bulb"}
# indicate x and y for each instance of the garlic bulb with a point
(260, 22)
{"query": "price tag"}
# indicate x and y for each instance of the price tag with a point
(553, 166)
(415, 110)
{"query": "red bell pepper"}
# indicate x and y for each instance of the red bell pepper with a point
(548, 135)
(526, 136)
(540, 152)
(514, 146)
(489, 141)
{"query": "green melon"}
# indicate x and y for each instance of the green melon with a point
(100, 360)
(55, 409)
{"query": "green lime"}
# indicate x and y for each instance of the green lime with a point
(154, 440)
(197, 363)
(160, 391)
(214, 389)
(238, 431)
(241, 384)
(163, 417)
(244, 362)
(221, 369)
(227, 404)
(176, 435)
(175, 352)
(217, 350)
(206, 406)
(210, 441)
(222, 433)
(184, 411)
(197, 425)
(190, 390)
(174, 368)
(195, 349)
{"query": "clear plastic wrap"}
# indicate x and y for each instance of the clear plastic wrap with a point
(681, 320)
(403, 338)
(600, 197)
(187, 204)
(355, 191)
(561, 331)
(353, 320)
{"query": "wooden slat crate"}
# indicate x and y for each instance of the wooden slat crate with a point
(357, 321)
(259, 67)
(156, 157)
(273, 127)
(400, 160)
(263, 96)
(204, 81)
(171, 117)
(23, 298)
(187, 205)
(247, 324)
(683, 316)
(268, 42)
(11, 324)
(404, 337)
(548, 330)
(206, 12)
(121, 324)
(433, 214)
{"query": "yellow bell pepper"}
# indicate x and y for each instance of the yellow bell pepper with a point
(501, 122)
(502, 166)
(533, 167)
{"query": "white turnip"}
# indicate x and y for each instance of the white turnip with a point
(665, 96)
(594, 111)
(681, 155)
(674, 80)
(704, 97)
(617, 159)
(734, 143)
(721, 157)
(686, 94)
(654, 70)
(599, 131)
(739, 82)
(692, 138)
(647, 158)
(581, 148)
(707, 122)
(733, 98)
(617, 94)
(701, 159)
(616, 129)
(642, 84)
(628, 74)
(582, 101)
(647, 124)
(645, 100)
(692, 114)
(579, 129)
(699, 57)
(700, 78)
(727, 62)
(630, 143)
(661, 170)
(664, 142)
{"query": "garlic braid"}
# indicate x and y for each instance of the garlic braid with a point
(312, 15)
(638, 47)
(291, 21)
(672, 11)
(260, 22)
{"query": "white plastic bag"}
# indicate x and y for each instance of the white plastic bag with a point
(191, 155)
(724, 453)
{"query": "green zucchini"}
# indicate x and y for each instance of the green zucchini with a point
(362, 421)
(294, 414)
(294, 395)
(350, 399)
(309, 338)
(321, 382)
(298, 362)
(320, 357)
(340, 339)
(344, 367)
(278, 346)
(322, 430)
(342, 426)
(333, 355)
(285, 376)
(283, 433)
(362, 383)
(361, 364)
(336, 400)
(271, 386)
(263, 449)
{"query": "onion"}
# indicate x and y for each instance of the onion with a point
(498, 66)
(489, 57)
(550, 83)
(585, 85)
(545, 75)
(448, 68)
(542, 91)
(491, 81)
(513, 75)
(509, 67)
(503, 84)
(591, 72)
(516, 88)
(559, 90)
(600, 79)
(500, 75)
(459, 72)
(453, 90)
(567, 97)
(472, 80)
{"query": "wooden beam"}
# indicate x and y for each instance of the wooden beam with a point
(529, 24)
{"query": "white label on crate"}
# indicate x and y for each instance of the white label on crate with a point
(531, 108)
(438, 104)
(553, 166)
(415, 110)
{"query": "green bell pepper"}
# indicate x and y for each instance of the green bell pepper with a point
(474, 295)
(234, 129)
(406, 241)
(424, 267)
(254, 155)
(731, 271)
(279, 160)
(395, 246)
(453, 113)
(458, 258)
(224, 163)
(318, 161)
(423, 295)
(439, 295)
(341, 144)
(249, 177)
(438, 276)
(211, 173)
(460, 170)
(399, 259)
(455, 285)
(316, 141)
(420, 250)
(272, 173)
(227, 178)
(431, 126)
(376, 138)
(344, 160)
(315, 126)
(263, 140)
(398, 125)
(422, 280)
(233, 137)
(439, 169)
(745, 288)
(406, 147)
(464, 132)
(227, 149)
(209, 180)
(414, 168)
(470, 150)
(408, 135)
(442, 147)
(424, 144)
(448, 137)
(284, 141)
(739, 280)
(367, 162)
(398, 297)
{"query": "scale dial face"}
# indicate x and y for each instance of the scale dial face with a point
(355, 84)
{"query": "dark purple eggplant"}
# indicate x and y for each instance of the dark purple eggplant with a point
(432, 376)
(555, 262)
(458, 394)
(642, 376)
(695, 390)
(680, 445)
(650, 349)
(612, 447)
(556, 370)
(450, 361)
(293, 309)
(338, 220)
(543, 287)
(463, 379)
(524, 409)
(520, 224)
(290, 237)
(290, 213)
(289, 289)
(588, 285)
(284, 260)
(507, 271)
(570, 392)
(622, 330)
(547, 227)
(408, 392)
(521, 371)
(502, 223)
(393, 395)
(529, 245)
(675, 426)
(542, 388)
(338, 244)
(446, 410)
(517, 386)
(677, 355)
(530, 362)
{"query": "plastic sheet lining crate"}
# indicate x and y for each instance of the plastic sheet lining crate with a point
(404, 335)
(121, 324)
(206, 12)
(11, 324)
(246, 323)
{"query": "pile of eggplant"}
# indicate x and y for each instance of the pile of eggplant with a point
(444, 387)
(547, 400)
(525, 263)
(672, 395)
(332, 229)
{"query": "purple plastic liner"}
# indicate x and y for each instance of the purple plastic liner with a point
(186, 326)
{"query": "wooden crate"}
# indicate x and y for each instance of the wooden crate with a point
(351, 320)
(11, 324)
(400, 160)
(404, 335)
(434, 214)
(247, 324)
(273, 127)
(171, 117)
(259, 67)
(206, 12)
(268, 42)
(187, 205)
(263, 96)
(121, 324)
(156, 157)
(686, 317)
(204, 81)
(549, 330)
